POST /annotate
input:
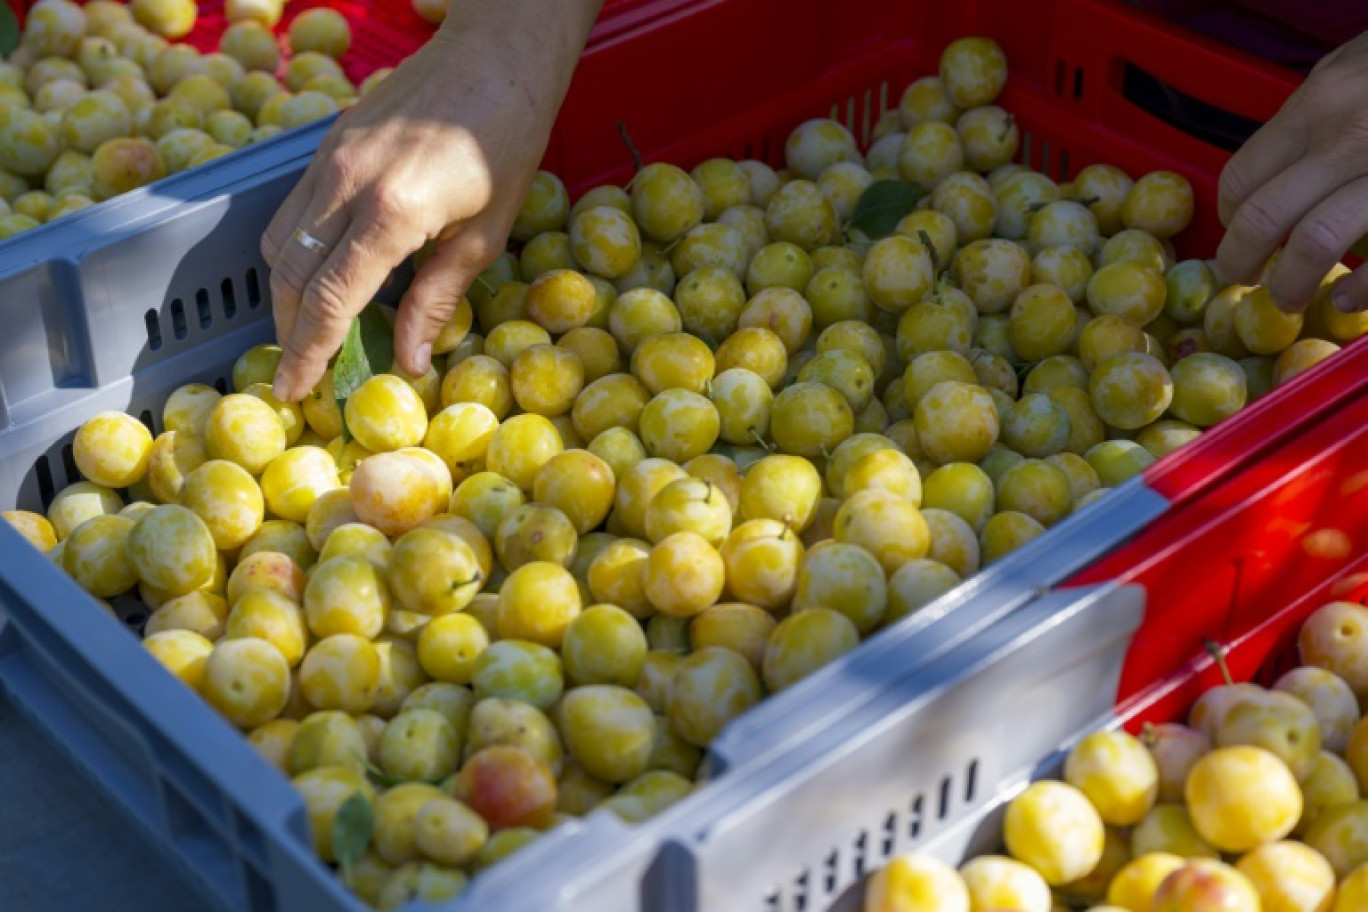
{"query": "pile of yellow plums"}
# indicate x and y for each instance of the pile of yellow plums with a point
(682, 445)
(98, 100)
(1255, 804)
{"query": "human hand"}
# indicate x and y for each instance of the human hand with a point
(1303, 178)
(443, 149)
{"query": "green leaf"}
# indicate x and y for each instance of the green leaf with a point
(882, 205)
(351, 832)
(9, 29)
(1360, 248)
(385, 779)
(368, 350)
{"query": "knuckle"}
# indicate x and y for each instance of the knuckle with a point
(286, 280)
(270, 245)
(1323, 91)
(480, 248)
(325, 302)
(1254, 220)
(1232, 184)
(1287, 287)
(343, 168)
(295, 348)
(1317, 238)
(392, 203)
(431, 321)
(1355, 125)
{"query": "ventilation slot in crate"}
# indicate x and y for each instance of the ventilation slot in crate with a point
(154, 333)
(1036, 154)
(831, 876)
(1068, 81)
(46, 488)
(71, 474)
(253, 290)
(206, 316)
(914, 817)
(952, 796)
(179, 328)
(229, 299)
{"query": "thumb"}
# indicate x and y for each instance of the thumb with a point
(433, 297)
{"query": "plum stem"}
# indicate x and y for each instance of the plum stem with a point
(461, 584)
(1218, 654)
(631, 146)
(931, 249)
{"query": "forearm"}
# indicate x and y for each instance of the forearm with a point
(533, 44)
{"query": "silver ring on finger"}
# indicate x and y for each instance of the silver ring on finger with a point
(311, 243)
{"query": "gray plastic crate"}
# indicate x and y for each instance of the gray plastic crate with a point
(167, 287)
(926, 765)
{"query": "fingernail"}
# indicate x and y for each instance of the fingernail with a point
(423, 357)
(1341, 301)
(281, 388)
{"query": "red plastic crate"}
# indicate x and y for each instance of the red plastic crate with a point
(772, 63)
(1243, 564)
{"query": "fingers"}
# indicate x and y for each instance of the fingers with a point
(1271, 150)
(1351, 292)
(337, 291)
(1268, 216)
(286, 218)
(1317, 243)
(275, 240)
(296, 265)
(432, 298)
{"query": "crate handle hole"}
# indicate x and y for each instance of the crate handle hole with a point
(971, 780)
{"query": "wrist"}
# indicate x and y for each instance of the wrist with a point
(538, 35)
